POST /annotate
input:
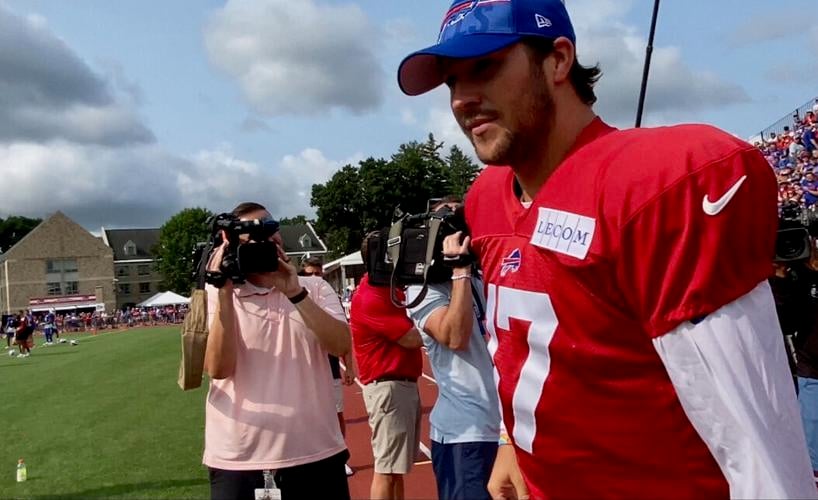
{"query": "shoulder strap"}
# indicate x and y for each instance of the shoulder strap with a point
(481, 313)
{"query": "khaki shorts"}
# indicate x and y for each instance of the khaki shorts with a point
(394, 417)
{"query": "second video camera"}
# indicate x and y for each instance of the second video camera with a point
(410, 252)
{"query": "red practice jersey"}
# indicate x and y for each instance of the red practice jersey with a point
(636, 232)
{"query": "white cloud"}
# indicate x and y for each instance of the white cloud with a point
(47, 92)
(407, 117)
(144, 185)
(296, 57)
(771, 25)
(69, 141)
(252, 124)
(90, 182)
(675, 89)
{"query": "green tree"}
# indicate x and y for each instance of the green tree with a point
(13, 229)
(362, 198)
(338, 207)
(460, 171)
(174, 252)
(289, 221)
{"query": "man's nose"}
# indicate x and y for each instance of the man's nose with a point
(464, 96)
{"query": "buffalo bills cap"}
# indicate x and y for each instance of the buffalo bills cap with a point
(475, 28)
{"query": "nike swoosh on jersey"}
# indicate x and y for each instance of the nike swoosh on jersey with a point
(714, 208)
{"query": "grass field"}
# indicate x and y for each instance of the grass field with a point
(104, 418)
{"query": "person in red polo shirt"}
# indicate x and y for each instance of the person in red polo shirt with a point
(387, 351)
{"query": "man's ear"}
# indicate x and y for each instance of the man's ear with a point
(561, 59)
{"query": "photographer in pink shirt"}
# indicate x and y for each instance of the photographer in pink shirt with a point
(270, 405)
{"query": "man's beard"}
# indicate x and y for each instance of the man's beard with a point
(532, 128)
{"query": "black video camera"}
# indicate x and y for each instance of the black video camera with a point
(796, 230)
(410, 252)
(254, 253)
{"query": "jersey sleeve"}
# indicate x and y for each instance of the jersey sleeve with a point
(731, 374)
(701, 243)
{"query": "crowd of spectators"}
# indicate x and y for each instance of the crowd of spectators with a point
(90, 321)
(793, 154)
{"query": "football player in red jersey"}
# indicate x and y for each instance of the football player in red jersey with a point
(633, 332)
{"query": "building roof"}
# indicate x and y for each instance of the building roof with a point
(58, 218)
(143, 239)
(301, 238)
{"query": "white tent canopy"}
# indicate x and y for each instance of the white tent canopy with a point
(353, 259)
(164, 299)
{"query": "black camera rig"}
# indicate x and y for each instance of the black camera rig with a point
(249, 249)
(795, 228)
(410, 251)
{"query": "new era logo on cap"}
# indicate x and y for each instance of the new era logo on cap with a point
(542, 21)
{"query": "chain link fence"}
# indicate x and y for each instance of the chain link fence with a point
(790, 120)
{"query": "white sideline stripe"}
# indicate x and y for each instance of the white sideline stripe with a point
(423, 448)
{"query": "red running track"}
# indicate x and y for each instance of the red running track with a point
(420, 482)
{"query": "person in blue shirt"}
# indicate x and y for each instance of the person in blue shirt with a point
(809, 139)
(465, 420)
(810, 186)
(10, 327)
(49, 327)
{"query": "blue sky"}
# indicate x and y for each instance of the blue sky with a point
(121, 113)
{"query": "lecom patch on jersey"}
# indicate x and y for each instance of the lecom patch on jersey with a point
(564, 232)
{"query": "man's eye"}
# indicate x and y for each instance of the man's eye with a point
(482, 67)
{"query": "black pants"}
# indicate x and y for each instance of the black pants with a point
(322, 479)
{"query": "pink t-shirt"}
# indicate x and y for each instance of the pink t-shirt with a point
(278, 408)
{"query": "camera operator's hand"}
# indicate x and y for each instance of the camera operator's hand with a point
(349, 370)
(214, 265)
(285, 279)
(454, 248)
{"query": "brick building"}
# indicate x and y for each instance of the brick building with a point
(134, 264)
(57, 265)
(60, 265)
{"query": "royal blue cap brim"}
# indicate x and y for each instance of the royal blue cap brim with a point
(420, 71)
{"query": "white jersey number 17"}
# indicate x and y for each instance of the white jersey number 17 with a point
(503, 304)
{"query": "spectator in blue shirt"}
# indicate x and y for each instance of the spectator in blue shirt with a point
(809, 139)
(810, 187)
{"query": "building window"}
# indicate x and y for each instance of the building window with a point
(130, 248)
(62, 277)
(61, 266)
(122, 271)
(143, 270)
(144, 288)
(125, 288)
(305, 241)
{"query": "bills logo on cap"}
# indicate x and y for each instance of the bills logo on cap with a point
(564, 232)
(511, 264)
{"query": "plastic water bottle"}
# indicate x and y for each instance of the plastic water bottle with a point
(21, 471)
